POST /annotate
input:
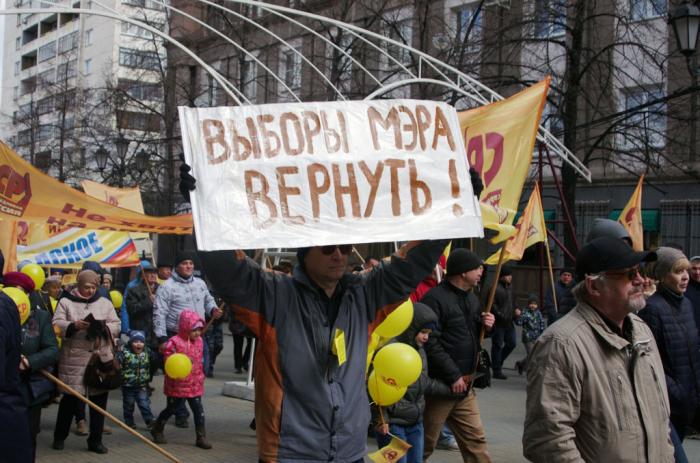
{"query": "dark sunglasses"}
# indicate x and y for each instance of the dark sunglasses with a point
(345, 249)
(631, 273)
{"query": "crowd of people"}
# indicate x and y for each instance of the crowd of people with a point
(613, 360)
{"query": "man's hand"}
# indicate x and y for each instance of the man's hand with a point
(459, 386)
(81, 324)
(187, 181)
(23, 363)
(382, 429)
(407, 246)
(217, 313)
(488, 319)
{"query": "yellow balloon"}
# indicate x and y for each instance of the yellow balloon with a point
(21, 300)
(398, 364)
(36, 273)
(381, 393)
(178, 366)
(117, 298)
(397, 321)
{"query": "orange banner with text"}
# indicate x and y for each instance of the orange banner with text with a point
(499, 139)
(30, 195)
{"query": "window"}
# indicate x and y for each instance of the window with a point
(646, 9)
(65, 101)
(550, 18)
(47, 51)
(402, 32)
(87, 38)
(138, 121)
(42, 160)
(150, 4)
(15, 92)
(136, 31)
(646, 125)
(47, 77)
(88, 66)
(141, 90)
(67, 70)
(139, 59)
(249, 77)
(68, 42)
(44, 132)
(466, 21)
(291, 68)
(16, 68)
(24, 137)
(45, 105)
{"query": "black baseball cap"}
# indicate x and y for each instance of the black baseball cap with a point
(608, 253)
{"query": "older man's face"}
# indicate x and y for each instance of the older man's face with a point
(695, 271)
(327, 263)
(624, 289)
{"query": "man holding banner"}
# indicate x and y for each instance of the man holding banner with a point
(291, 176)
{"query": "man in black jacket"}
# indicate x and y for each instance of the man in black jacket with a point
(452, 351)
(503, 336)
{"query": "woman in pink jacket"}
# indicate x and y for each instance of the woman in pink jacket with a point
(188, 341)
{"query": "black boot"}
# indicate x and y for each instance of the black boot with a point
(97, 447)
(157, 432)
(202, 442)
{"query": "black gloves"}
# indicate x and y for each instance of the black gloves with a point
(477, 184)
(187, 181)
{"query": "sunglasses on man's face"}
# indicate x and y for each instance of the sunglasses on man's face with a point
(345, 249)
(631, 273)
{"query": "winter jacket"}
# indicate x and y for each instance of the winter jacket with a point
(409, 410)
(192, 385)
(670, 317)
(140, 310)
(503, 308)
(693, 294)
(453, 346)
(562, 293)
(533, 324)
(135, 368)
(308, 407)
(40, 347)
(594, 396)
(76, 348)
(176, 295)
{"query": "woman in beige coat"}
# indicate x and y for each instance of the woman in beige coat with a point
(80, 339)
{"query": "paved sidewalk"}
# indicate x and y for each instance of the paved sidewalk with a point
(502, 411)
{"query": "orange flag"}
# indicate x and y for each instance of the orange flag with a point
(631, 217)
(392, 452)
(530, 228)
(500, 138)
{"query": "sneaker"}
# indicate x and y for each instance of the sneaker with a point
(181, 422)
(448, 444)
(81, 428)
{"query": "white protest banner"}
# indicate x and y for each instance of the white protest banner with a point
(305, 174)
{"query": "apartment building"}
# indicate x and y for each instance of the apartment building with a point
(75, 83)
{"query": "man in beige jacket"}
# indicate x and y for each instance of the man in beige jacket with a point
(595, 382)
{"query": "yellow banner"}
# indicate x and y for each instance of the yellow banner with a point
(127, 198)
(499, 138)
(8, 246)
(31, 232)
(392, 452)
(631, 217)
(30, 195)
(531, 229)
(73, 247)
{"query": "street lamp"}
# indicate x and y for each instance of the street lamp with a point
(122, 146)
(101, 157)
(141, 160)
(685, 21)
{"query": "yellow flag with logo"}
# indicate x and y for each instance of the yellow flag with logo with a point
(531, 229)
(392, 452)
(631, 217)
(499, 139)
(127, 198)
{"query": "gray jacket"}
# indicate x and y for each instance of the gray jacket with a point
(176, 295)
(593, 396)
(308, 408)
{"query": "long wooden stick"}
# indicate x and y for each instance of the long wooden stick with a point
(551, 276)
(101, 411)
(492, 293)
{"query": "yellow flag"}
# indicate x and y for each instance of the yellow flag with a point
(531, 229)
(631, 217)
(127, 198)
(395, 450)
(8, 244)
(499, 138)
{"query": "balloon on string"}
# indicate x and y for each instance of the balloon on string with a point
(397, 321)
(398, 364)
(36, 273)
(116, 298)
(381, 393)
(21, 300)
(178, 366)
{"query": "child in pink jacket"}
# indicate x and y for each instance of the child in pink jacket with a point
(188, 341)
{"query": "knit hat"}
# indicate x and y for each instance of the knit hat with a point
(665, 259)
(147, 266)
(88, 276)
(462, 260)
(107, 276)
(184, 255)
(137, 335)
(566, 270)
(532, 298)
(506, 270)
(607, 227)
(19, 280)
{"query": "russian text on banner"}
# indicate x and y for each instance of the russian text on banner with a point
(499, 139)
(302, 174)
(30, 195)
